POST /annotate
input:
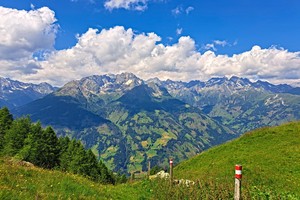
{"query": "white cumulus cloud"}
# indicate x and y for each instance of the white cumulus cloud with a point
(118, 50)
(189, 9)
(179, 31)
(23, 33)
(177, 11)
(139, 5)
(180, 9)
(212, 46)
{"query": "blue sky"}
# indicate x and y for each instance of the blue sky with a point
(193, 39)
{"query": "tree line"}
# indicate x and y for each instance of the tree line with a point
(28, 141)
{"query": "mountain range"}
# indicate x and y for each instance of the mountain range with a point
(15, 93)
(238, 103)
(128, 121)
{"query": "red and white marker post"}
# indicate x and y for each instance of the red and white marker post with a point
(171, 171)
(238, 182)
(238, 171)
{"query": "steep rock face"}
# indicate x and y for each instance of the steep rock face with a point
(15, 93)
(96, 91)
(101, 86)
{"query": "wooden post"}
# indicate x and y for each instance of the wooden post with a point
(238, 182)
(171, 172)
(149, 168)
(132, 177)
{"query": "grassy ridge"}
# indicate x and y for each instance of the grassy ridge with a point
(270, 159)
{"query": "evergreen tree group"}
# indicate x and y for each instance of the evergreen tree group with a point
(31, 142)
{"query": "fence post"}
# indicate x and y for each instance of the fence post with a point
(171, 171)
(238, 182)
(132, 177)
(149, 168)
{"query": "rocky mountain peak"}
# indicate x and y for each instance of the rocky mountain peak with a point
(195, 83)
(128, 80)
(154, 80)
(240, 82)
(216, 81)
(101, 89)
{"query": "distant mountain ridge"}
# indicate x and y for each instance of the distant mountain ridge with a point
(234, 82)
(15, 93)
(238, 103)
(127, 121)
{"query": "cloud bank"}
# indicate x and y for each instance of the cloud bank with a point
(117, 50)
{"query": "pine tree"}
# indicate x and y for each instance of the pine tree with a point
(77, 160)
(31, 148)
(91, 166)
(119, 178)
(41, 147)
(48, 153)
(16, 135)
(67, 156)
(63, 152)
(6, 120)
(106, 175)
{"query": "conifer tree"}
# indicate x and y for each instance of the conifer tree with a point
(16, 135)
(106, 175)
(63, 144)
(90, 166)
(6, 120)
(77, 164)
(77, 160)
(31, 148)
(50, 149)
(41, 147)
(67, 155)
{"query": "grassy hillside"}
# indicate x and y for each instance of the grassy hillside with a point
(270, 158)
(23, 182)
(28, 182)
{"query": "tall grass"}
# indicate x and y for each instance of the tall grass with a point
(161, 189)
(21, 182)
